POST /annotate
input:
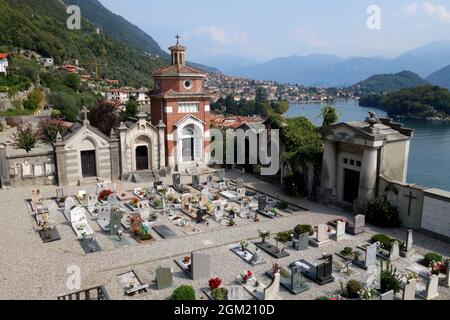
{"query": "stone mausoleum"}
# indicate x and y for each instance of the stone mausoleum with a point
(357, 154)
(175, 138)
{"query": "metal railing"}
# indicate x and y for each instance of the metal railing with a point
(97, 293)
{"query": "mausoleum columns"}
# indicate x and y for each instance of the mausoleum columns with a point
(329, 167)
(368, 182)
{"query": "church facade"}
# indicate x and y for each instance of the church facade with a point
(174, 138)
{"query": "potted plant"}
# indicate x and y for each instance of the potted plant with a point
(244, 245)
(134, 202)
(303, 228)
(214, 283)
(390, 279)
(265, 235)
(247, 276)
(219, 294)
(352, 290)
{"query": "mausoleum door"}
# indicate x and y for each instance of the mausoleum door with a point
(88, 164)
(142, 158)
(351, 185)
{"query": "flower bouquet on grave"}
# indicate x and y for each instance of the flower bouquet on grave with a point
(244, 245)
(274, 211)
(438, 268)
(134, 202)
(104, 195)
(193, 200)
(247, 277)
(209, 207)
(214, 283)
(157, 203)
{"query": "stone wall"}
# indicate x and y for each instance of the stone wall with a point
(423, 209)
(33, 169)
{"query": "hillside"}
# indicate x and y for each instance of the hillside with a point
(40, 25)
(386, 83)
(441, 77)
(421, 102)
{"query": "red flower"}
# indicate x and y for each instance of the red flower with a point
(214, 283)
(250, 274)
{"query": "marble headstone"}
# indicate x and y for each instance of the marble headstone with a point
(359, 224)
(176, 180)
(235, 293)
(240, 184)
(92, 200)
(340, 231)
(322, 233)
(431, 290)
(262, 203)
(164, 278)
(371, 256)
(388, 295)
(115, 222)
(297, 280)
(409, 291)
(200, 266)
(302, 242)
(195, 181)
(395, 251)
(447, 278)
(241, 193)
(273, 290)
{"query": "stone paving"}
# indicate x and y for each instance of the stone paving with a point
(30, 269)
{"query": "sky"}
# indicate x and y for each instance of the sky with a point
(265, 29)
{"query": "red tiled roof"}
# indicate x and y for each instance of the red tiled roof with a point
(3, 55)
(177, 69)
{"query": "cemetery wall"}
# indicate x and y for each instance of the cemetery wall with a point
(34, 168)
(426, 210)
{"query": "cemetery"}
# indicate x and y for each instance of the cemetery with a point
(219, 228)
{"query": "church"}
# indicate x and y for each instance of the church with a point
(174, 138)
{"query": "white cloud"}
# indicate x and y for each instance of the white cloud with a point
(436, 10)
(412, 8)
(221, 35)
(310, 38)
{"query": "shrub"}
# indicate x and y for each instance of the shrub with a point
(220, 294)
(25, 138)
(283, 236)
(303, 228)
(431, 258)
(184, 293)
(145, 236)
(347, 251)
(354, 288)
(381, 213)
(385, 240)
(48, 130)
(390, 279)
(283, 205)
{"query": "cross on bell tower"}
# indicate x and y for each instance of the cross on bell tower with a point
(178, 53)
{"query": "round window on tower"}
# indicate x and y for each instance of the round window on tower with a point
(187, 84)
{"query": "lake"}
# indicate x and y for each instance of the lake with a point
(429, 158)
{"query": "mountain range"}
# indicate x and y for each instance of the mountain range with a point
(332, 70)
(441, 77)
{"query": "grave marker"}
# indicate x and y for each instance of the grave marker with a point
(409, 291)
(394, 253)
(272, 292)
(164, 278)
(235, 293)
(115, 221)
(340, 231)
(200, 266)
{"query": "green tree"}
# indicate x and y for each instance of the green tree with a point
(72, 81)
(280, 107)
(25, 138)
(35, 97)
(329, 116)
(131, 109)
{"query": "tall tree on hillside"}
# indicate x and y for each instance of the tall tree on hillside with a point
(329, 116)
(103, 116)
(131, 109)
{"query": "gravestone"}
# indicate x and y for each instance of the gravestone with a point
(195, 181)
(262, 203)
(157, 185)
(38, 170)
(241, 193)
(69, 203)
(235, 293)
(256, 257)
(431, 290)
(104, 215)
(164, 278)
(340, 231)
(324, 272)
(36, 196)
(144, 209)
(115, 221)
(374, 280)
(240, 184)
(359, 224)
(371, 257)
(221, 175)
(388, 295)
(59, 193)
(222, 186)
(394, 253)
(176, 180)
(209, 181)
(447, 278)
(302, 242)
(113, 201)
(92, 200)
(408, 249)
(298, 283)
(272, 292)
(26, 169)
(120, 188)
(200, 267)
(322, 233)
(164, 232)
(409, 291)
(201, 214)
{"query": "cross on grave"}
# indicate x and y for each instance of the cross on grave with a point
(411, 198)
